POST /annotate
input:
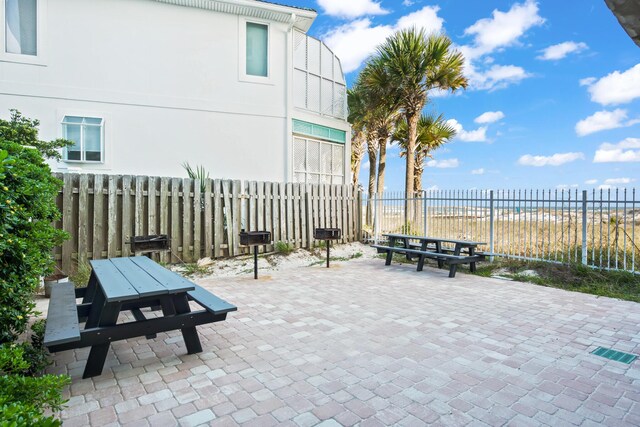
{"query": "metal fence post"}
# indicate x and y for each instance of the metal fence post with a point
(375, 218)
(491, 220)
(585, 250)
(424, 211)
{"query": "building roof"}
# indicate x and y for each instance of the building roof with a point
(256, 9)
(628, 14)
(294, 7)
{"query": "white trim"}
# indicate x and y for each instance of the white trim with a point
(242, 52)
(254, 9)
(41, 30)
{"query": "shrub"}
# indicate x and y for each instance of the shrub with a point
(23, 399)
(27, 236)
(283, 248)
(27, 211)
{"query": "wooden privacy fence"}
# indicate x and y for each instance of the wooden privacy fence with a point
(102, 213)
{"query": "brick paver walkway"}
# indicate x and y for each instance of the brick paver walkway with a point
(366, 344)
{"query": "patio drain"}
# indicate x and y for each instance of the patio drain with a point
(611, 354)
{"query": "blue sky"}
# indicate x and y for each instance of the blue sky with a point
(554, 97)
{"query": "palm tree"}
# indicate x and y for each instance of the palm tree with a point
(414, 64)
(357, 112)
(383, 110)
(433, 132)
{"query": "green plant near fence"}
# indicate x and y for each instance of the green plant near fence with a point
(27, 210)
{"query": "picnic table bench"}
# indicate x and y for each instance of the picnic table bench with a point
(127, 284)
(463, 252)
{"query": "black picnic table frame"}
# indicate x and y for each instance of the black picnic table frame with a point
(129, 284)
(459, 247)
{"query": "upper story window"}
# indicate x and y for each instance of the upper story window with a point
(257, 49)
(87, 136)
(21, 27)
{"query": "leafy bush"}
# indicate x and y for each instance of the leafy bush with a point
(27, 211)
(283, 248)
(23, 399)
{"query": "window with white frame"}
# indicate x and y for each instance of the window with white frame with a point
(317, 162)
(87, 135)
(257, 49)
(21, 27)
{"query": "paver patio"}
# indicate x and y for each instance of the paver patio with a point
(366, 344)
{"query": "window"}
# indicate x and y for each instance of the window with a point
(21, 27)
(87, 135)
(317, 162)
(257, 50)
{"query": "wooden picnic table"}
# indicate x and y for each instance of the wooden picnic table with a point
(463, 251)
(127, 284)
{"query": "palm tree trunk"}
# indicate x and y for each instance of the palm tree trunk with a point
(412, 127)
(357, 152)
(417, 172)
(372, 149)
(382, 162)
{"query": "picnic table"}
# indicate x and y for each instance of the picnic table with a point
(127, 284)
(462, 252)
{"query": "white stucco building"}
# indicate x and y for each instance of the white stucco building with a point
(143, 86)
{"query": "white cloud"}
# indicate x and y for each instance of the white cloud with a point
(489, 117)
(587, 81)
(493, 78)
(477, 171)
(618, 181)
(603, 120)
(591, 181)
(566, 186)
(407, 3)
(477, 135)
(443, 164)
(433, 188)
(616, 87)
(364, 166)
(561, 50)
(352, 8)
(606, 187)
(354, 42)
(504, 28)
(554, 160)
(627, 150)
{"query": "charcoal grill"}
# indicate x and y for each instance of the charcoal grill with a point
(327, 234)
(150, 243)
(255, 239)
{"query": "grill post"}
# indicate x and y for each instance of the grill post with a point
(255, 262)
(328, 246)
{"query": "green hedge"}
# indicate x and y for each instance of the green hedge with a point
(27, 236)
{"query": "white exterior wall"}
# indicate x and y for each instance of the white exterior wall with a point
(167, 81)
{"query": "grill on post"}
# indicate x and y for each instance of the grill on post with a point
(255, 239)
(149, 244)
(327, 234)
